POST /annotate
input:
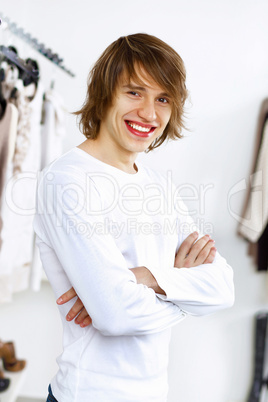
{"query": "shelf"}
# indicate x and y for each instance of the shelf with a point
(16, 381)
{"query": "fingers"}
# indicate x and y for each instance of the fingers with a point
(83, 319)
(204, 252)
(78, 310)
(194, 252)
(87, 321)
(81, 316)
(67, 296)
(77, 307)
(197, 249)
(211, 256)
(184, 249)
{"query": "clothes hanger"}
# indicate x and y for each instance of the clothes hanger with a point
(23, 74)
(12, 57)
(28, 70)
(34, 43)
(28, 78)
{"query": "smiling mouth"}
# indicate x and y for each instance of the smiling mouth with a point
(141, 131)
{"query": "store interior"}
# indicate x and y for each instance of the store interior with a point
(224, 47)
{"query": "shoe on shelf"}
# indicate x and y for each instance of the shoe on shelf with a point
(8, 355)
(4, 382)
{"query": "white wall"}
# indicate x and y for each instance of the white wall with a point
(224, 45)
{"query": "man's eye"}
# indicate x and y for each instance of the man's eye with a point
(163, 100)
(133, 93)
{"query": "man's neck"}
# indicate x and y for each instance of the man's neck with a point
(108, 154)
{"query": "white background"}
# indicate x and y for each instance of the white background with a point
(224, 45)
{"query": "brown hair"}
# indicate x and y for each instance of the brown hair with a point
(158, 59)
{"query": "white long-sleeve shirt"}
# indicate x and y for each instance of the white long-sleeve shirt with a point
(93, 223)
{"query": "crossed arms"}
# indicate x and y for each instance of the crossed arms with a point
(119, 300)
(191, 253)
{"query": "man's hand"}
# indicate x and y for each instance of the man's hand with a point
(78, 310)
(192, 253)
(144, 276)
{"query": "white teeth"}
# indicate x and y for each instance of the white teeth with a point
(139, 128)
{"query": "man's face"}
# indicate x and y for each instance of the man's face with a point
(138, 115)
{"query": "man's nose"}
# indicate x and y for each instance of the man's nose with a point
(147, 110)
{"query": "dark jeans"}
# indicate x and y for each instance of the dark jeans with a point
(50, 397)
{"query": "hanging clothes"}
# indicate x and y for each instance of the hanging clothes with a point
(19, 207)
(8, 130)
(52, 134)
(53, 128)
(253, 225)
(28, 152)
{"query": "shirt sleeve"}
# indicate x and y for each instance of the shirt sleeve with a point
(199, 290)
(93, 263)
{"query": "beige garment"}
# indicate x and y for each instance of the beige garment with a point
(14, 90)
(255, 218)
(8, 131)
(22, 102)
(259, 132)
(18, 208)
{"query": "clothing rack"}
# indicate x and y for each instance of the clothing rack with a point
(11, 56)
(34, 43)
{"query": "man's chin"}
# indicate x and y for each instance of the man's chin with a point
(141, 148)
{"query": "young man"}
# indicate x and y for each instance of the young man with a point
(117, 233)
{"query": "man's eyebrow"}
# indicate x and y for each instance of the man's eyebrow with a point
(133, 86)
(143, 89)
